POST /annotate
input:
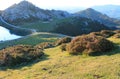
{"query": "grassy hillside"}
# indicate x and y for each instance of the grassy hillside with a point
(32, 39)
(115, 40)
(60, 65)
(70, 26)
(39, 25)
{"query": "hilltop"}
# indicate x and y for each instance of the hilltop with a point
(95, 15)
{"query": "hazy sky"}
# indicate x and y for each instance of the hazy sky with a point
(48, 4)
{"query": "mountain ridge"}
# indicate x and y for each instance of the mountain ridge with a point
(28, 11)
(111, 10)
(27, 15)
(95, 15)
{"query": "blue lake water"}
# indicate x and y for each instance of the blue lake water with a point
(6, 35)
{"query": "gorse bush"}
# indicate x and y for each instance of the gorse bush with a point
(104, 33)
(116, 35)
(63, 47)
(44, 45)
(63, 40)
(117, 31)
(107, 33)
(89, 44)
(18, 54)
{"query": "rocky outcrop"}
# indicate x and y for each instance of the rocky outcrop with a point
(60, 14)
(26, 11)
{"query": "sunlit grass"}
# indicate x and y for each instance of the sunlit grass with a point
(115, 40)
(61, 65)
(32, 39)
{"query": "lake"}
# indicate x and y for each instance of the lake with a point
(6, 35)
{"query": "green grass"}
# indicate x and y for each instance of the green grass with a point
(32, 39)
(115, 40)
(41, 26)
(61, 65)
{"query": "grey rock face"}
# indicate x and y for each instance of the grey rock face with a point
(60, 14)
(26, 10)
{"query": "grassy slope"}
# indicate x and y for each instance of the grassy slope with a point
(115, 40)
(60, 65)
(32, 39)
(41, 26)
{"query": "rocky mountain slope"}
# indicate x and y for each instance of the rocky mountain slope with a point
(110, 10)
(26, 11)
(27, 15)
(95, 15)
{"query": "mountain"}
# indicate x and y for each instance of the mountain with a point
(78, 25)
(27, 15)
(111, 10)
(95, 15)
(26, 11)
(0, 12)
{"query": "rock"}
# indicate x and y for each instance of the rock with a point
(27, 11)
(44, 69)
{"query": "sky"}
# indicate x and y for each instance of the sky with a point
(54, 4)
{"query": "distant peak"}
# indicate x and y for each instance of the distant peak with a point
(24, 2)
(90, 9)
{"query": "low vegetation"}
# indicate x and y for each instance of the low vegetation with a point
(44, 45)
(60, 65)
(104, 33)
(89, 44)
(115, 40)
(63, 47)
(33, 39)
(19, 54)
(116, 35)
(57, 64)
(63, 40)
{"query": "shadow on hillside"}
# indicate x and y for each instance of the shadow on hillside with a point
(116, 50)
(27, 64)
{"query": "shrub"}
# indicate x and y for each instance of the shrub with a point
(44, 45)
(96, 33)
(104, 33)
(63, 47)
(18, 54)
(63, 40)
(89, 44)
(116, 35)
(107, 33)
(117, 31)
